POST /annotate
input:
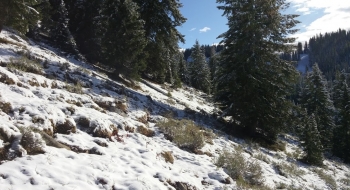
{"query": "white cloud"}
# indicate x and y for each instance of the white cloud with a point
(335, 15)
(192, 29)
(205, 29)
(304, 10)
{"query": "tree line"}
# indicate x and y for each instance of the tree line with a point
(331, 52)
(135, 37)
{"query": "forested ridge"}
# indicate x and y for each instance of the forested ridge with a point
(251, 74)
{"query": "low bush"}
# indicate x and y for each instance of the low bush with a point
(32, 142)
(262, 157)
(6, 107)
(330, 181)
(26, 65)
(288, 170)
(75, 88)
(245, 173)
(184, 133)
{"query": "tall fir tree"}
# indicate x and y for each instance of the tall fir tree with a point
(311, 141)
(199, 69)
(306, 48)
(123, 41)
(19, 14)
(253, 81)
(85, 19)
(183, 69)
(300, 48)
(316, 99)
(59, 31)
(161, 21)
(341, 137)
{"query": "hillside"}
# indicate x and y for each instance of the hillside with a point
(66, 125)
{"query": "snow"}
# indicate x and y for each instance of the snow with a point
(303, 64)
(133, 161)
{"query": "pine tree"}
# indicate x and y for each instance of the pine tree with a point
(311, 141)
(123, 42)
(316, 99)
(199, 69)
(253, 82)
(341, 98)
(19, 14)
(300, 48)
(85, 24)
(213, 64)
(183, 69)
(306, 48)
(161, 21)
(59, 28)
(177, 65)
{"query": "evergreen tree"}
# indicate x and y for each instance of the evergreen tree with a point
(300, 48)
(199, 70)
(161, 21)
(311, 141)
(213, 64)
(59, 31)
(341, 98)
(183, 69)
(177, 65)
(19, 14)
(123, 42)
(306, 48)
(253, 82)
(316, 99)
(85, 24)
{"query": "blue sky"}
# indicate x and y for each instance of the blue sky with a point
(205, 21)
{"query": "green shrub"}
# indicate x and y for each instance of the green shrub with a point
(245, 173)
(288, 170)
(76, 88)
(26, 65)
(262, 157)
(184, 133)
(170, 101)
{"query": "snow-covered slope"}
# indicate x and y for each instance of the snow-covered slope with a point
(303, 64)
(48, 104)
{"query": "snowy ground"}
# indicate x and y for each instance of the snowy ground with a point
(131, 160)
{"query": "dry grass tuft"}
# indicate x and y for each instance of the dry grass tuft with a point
(104, 133)
(65, 128)
(129, 129)
(168, 157)
(122, 106)
(145, 131)
(4, 78)
(143, 119)
(6, 107)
